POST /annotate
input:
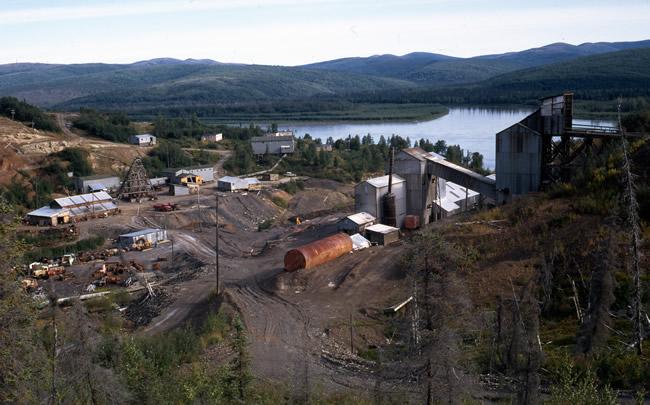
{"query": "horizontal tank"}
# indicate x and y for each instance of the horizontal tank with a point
(317, 252)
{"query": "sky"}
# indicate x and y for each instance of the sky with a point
(294, 32)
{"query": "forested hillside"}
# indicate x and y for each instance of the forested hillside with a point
(601, 77)
(595, 71)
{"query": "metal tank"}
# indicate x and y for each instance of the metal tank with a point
(317, 252)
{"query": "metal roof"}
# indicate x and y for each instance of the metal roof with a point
(459, 191)
(143, 135)
(98, 177)
(381, 228)
(361, 218)
(83, 199)
(230, 179)
(418, 153)
(251, 180)
(97, 187)
(270, 138)
(48, 212)
(140, 233)
(383, 181)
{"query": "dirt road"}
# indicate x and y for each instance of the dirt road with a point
(286, 340)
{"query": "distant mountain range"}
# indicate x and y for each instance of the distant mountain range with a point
(173, 83)
(437, 70)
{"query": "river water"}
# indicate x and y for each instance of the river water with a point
(471, 128)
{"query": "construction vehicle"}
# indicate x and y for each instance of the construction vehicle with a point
(188, 179)
(142, 244)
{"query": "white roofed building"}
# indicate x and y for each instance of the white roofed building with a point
(74, 208)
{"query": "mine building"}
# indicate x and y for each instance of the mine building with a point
(231, 183)
(212, 138)
(369, 195)
(273, 144)
(148, 237)
(142, 140)
(546, 146)
(206, 172)
(100, 182)
(356, 223)
(74, 208)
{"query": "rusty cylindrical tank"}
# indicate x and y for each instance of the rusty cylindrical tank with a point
(411, 222)
(317, 252)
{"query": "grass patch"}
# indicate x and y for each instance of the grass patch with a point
(280, 202)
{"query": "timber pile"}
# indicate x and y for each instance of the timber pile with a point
(148, 307)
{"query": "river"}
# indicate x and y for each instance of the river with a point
(471, 128)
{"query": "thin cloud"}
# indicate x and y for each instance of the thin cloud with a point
(44, 14)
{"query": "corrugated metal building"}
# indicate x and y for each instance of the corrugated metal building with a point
(518, 159)
(231, 183)
(150, 235)
(368, 197)
(411, 165)
(46, 216)
(272, 144)
(520, 148)
(76, 207)
(205, 171)
(100, 182)
(356, 223)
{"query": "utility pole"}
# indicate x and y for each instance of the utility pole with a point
(216, 231)
(198, 205)
(351, 335)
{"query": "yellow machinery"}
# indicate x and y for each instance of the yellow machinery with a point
(188, 179)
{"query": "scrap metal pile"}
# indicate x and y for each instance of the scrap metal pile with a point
(117, 273)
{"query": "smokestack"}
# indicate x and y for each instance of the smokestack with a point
(389, 199)
(390, 170)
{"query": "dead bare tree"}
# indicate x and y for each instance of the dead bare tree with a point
(631, 214)
(595, 328)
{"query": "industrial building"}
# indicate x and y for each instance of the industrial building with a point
(142, 140)
(74, 208)
(46, 216)
(273, 144)
(427, 175)
(212, 138)
(180, 189)
(544, 146)
(231, 183)
(369, 194)
(175, 174)
(158, 181)
(101, 182)
(381, 234)
(148, 236)
(454, 198)
(356, 223)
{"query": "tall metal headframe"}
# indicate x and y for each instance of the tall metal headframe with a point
(136, 184)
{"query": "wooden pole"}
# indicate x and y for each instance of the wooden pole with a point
(216, 250)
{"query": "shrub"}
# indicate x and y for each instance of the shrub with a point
(266, 224)
(292, 187)
(280, 202)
